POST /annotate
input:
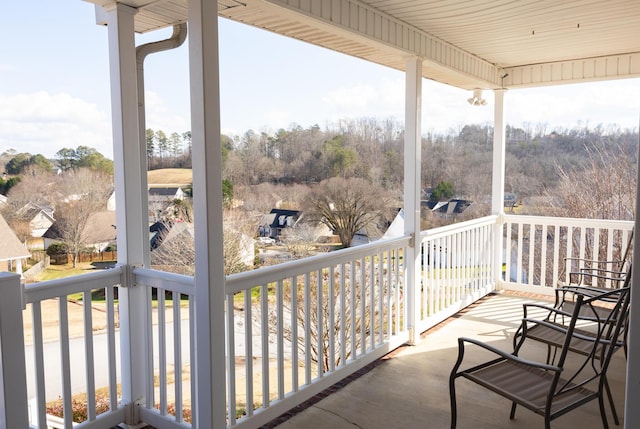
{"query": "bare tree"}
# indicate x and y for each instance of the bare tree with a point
(325, 312)
(85, 192)
(301, 239)
(346, 205)
(177, 251)
(39, 189)
(604, 188)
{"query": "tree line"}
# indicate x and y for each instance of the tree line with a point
(372, 149)
(580, 172)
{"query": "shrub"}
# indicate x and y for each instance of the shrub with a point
(57, 249)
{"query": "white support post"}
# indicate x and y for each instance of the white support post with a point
(498, 182)
(131, 216)
(14, 411)
(412, 190)
(632, 393)
(207, 190)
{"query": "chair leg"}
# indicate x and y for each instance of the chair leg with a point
(512, 414)
(611, 403)
(603, 413)
(452, 397)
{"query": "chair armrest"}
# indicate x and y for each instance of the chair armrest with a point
(504, 355)
(550, 309)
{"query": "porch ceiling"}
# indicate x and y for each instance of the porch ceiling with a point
(473, 43)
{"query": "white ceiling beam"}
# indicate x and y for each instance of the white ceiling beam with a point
(372, 26)
(583, 70)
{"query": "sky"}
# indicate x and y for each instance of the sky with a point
(54, 86)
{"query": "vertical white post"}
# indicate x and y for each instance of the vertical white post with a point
(131, 216)
(632, 394)
(13, 375)
(412, 189)
(498, 181)
(207, 191)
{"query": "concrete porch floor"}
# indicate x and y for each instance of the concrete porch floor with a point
(409, 388)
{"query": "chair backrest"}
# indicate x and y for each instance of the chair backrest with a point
(590, 336)
(608, 334)
(600, 273)
(628, 253)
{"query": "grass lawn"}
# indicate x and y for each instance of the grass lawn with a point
(61, 271)
(170, 176)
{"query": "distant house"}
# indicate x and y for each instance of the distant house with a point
(111, 202)
(157, 232)
(510, 200)
(166, 194)
(98, 234)
(40, 218)
(455, 206)
(161, 200)
(162, 234)
(12, 251)
(272, 224)
(396, 228)
(451, 207)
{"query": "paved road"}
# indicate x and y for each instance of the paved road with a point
(53, 369)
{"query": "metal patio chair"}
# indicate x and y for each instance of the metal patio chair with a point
(602, 314)
(566, 380)
(603, 272)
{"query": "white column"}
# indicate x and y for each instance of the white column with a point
(498, 181)
(632, 398)
(412, 189)
(131, 216)
(13, 374)
(207, 206)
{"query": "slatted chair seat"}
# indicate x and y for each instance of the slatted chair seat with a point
(582, 341)
(529, 386)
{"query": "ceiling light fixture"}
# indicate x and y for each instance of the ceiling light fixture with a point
(477, 99)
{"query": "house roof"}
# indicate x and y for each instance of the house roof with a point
(31, 210)
(10, 246)
(100, 228)
(164, 191)
(280, 218)
(468, 44)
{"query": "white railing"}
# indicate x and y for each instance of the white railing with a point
(457, 268)
(537, 249)
(81, 358)
(170, 349)
(292, 330)
(295, 329)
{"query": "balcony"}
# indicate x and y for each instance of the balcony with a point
(239, 352)
(294, 330)
(409, 388)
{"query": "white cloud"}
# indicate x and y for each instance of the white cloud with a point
(381, 99)
(44, 123)
(592, 104)
(162, 115)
